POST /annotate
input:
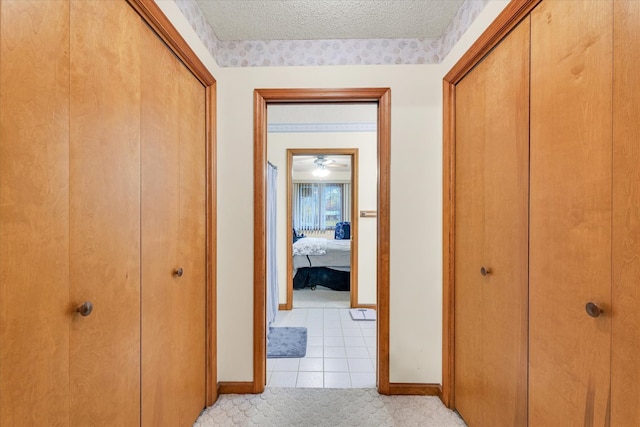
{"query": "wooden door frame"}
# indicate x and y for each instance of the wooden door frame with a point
(262, 97)
(508, 19)
(353, 276)
(160, 24)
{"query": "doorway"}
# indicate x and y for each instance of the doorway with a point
(263, 97)
(322, 205)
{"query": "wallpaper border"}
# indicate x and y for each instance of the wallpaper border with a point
(264, 53)
(321, 127)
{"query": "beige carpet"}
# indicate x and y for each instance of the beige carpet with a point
(320, 298)
(289, 407)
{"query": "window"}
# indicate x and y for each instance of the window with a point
(318, 206)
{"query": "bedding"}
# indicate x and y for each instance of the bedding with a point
(337, 256)
(310, 246)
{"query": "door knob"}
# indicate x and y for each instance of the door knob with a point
(592, 309)
(484, 271)
(85, 309)
(179, 272)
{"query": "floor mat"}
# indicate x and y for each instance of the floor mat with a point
(286, 342)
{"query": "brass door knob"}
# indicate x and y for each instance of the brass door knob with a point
(485, 270)
(592, 309)
(179, 272)
(85, 309)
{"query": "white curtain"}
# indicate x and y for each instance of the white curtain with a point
(346, 202)
(296, 207)
(272, 266)
(306, 208)
(310, 210)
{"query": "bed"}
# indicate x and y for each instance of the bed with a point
(325, 262)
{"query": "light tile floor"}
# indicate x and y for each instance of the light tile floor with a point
(341, 352)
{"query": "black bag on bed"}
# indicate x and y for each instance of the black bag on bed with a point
(342, 231)
(307, 277)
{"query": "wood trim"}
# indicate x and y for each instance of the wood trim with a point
(160, 24)
(415, 389)
(283, 307)
(259, 242)
(237, 387)
(355, 226)
(263, 96)
(322, 95)
(508, 19)
(153, 15)
(448, 230)
(373, 306)
(511, 16)
(353, 276)
(289, 301)
(212, 257)
(384, 204)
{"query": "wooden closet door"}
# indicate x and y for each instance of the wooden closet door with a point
(192, 249)
(491, 226)
(160, 230)
(34, 212)
(105, 212)
(570, 236)
(470, 243)
(173, 238)
(625, 363)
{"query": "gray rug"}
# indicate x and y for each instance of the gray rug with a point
(286, 342)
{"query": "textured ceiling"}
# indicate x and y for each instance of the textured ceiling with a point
(328, 19)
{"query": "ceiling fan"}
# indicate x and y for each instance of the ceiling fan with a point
(321, 164)
(321, 160)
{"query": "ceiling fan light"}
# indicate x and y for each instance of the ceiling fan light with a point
(320, 172)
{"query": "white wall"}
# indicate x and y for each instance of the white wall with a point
(366, 143)
(416, 199)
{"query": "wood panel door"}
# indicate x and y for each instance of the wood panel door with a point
(34, 212)
(570, 216)
(173, 238)
(104, 220)
(70, 217)
(491, 223)
(625, 363)
(191, 301)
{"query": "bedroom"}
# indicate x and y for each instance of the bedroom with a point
(320, 209)
(342, 140)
